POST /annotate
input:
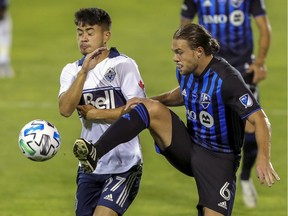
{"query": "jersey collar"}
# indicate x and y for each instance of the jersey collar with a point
(112, 54)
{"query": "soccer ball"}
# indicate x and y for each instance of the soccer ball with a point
(39, 140)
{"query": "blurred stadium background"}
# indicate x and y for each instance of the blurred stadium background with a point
(44, 41)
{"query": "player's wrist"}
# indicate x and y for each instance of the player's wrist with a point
(259, 62)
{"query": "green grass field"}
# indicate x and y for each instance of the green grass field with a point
(44, 41)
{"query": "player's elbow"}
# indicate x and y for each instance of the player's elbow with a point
(65, 112)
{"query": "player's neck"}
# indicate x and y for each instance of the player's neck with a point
(104, 55)
(203, 63)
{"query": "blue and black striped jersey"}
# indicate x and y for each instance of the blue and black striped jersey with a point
(217, 105)
(229, 21)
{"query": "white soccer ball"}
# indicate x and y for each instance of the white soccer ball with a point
(39, 140)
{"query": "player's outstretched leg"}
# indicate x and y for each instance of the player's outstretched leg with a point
(124, 129)
(86, 154)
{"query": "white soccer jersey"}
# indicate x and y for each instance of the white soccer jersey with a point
(109, 85)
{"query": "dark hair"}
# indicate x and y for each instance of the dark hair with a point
(93, 16)
(197, 35)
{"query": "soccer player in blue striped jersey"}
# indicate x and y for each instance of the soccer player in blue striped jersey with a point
(229, 21)
(217, 104)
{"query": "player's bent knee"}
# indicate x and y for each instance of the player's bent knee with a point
(155, 108)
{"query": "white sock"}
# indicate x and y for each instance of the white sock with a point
(5, 39)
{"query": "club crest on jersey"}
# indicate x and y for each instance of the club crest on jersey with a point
(205, 100)
(246, 100)
(110, 75)
(236, 3)
(207, 3)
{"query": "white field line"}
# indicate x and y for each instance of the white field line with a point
(27, 104)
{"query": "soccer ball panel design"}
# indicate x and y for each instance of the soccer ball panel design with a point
(39, 140)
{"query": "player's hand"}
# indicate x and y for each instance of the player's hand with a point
(92, 59)
(266, 172)
(133, 102)
(259, 70)
(84, 111)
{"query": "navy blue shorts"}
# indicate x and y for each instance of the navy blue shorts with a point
(214, 173)
(114, 191)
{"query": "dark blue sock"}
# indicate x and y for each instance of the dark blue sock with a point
(123, 130)
(249, 155)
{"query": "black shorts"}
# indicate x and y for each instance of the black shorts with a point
(214, 173)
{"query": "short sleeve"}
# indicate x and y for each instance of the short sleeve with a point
(238, 97)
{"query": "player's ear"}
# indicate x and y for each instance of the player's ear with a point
(107, 35)
(200, 51)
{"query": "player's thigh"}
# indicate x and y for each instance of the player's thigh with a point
(89, 188)
(104, 211)
(178, 153)
(160, 123)
(120, 190)
(215, 178)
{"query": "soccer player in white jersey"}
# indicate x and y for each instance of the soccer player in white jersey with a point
(5, 40)
(101, 82)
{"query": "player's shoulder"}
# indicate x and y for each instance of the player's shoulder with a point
(223, 68)
(119, 58)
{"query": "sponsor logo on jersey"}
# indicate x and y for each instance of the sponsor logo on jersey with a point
(100, 99)
(205, 100)
(236, 18)
(191, 115)
(110, 74)
(206, 119)
(246, 100)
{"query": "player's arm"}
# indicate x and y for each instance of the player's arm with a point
(170, 98)
(89, 112)
(264, 168)
(264, 39)
(69, 100)
(188, 11)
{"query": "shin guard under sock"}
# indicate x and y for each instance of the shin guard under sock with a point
(123, 130)
(249, 155)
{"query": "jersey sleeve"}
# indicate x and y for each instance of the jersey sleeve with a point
(67, 77)
(132, 84)
(257, 8)
(189, 9)
(238, 97)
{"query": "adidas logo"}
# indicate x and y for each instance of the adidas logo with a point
(184, 93)
(109, 197)
(223, 205)
(93, 154)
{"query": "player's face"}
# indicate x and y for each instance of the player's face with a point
(91, 37)
(185, 58)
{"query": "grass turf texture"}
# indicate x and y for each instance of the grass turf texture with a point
(44, 40)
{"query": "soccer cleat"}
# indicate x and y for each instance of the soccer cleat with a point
(86, 154)
(249, 193)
